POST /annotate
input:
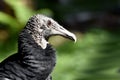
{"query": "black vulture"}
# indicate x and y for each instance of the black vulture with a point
(35, 58)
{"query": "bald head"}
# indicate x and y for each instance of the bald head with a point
(42, 27)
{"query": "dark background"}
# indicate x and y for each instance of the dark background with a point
(96, 23)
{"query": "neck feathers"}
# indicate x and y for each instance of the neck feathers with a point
(38, 60)
(27, 44)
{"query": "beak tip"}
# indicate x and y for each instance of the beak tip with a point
(73, 37)
(75, 41)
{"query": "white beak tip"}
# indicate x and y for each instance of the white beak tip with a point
(74, 38)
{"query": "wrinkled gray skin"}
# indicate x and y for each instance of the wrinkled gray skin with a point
(35, 58)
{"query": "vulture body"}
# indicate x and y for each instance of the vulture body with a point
(35, 58)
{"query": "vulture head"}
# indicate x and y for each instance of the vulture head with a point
(42, 27)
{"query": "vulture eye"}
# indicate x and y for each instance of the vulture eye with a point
(49, 23)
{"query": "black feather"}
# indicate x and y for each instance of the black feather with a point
(30, 63)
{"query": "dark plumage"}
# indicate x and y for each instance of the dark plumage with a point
(35, 58)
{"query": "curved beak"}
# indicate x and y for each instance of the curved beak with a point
(59, 30)
(67, 34)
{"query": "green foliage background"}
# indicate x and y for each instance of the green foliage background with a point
(95, 55)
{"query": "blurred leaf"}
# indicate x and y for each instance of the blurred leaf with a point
(22, 12)
(9, 20)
